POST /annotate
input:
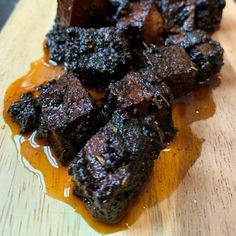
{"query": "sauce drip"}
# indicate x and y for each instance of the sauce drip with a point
(171, 167)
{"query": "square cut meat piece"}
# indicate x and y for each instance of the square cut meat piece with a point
(174, 67)
(143, 93)
(111, 169)
(208, 13)
(25, 112)
(191, 14)
(209, 59)
(143, 18)
(81, 13)
(98, 54)
(206, 53)
(69, 117)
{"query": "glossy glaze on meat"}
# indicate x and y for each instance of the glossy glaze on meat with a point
(139, 54)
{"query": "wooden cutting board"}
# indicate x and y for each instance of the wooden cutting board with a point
(204, 202)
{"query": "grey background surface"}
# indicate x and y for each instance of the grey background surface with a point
(6, 7)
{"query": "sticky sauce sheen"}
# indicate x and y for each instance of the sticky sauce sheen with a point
(170, 168)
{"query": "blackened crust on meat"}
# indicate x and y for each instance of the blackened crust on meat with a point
(208, 13)
(143, 93)
(187, 40)
(111, 169)
(25, 112)
(70, 116)
(174, 67)
(55, 41)
(209, 59)
(207, 54)
(82, 13)
(98, 54)
(178, 15)
(191, 14)
(144, 20)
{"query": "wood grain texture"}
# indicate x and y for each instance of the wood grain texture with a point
(203, 204)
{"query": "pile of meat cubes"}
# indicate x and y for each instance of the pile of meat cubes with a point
(140, 55)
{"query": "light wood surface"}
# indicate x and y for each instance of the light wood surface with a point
(204, 202)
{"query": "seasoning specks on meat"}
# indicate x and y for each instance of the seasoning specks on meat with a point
(111, 169)
(173, 65)
(143, 93)
(69, 114)
(98, 53)
(206, 53)
(139, 54)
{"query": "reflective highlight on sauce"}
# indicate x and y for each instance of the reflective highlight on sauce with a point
(170, 168)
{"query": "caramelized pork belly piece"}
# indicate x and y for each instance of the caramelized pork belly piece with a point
(69, 117)
(25, 112)
(207, 54)
(144, 19)
(142, 93)
(111, 169)
(174, 67)
(98, 54)
(82, 13)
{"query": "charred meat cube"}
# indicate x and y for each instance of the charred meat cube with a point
(98, 54)
(173, 65)
(143, 18)
(208, 13)
(25, 112)
(207, 54)
(56, 41)
(142, 93)
(69, 117)
(110, 170)
(191, 14)
(81, 13)
(209, 59)
(178, 15)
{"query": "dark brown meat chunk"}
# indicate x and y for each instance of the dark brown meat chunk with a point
(144, 19)
(191, 14)
(69, 117)
(98, 54)
(178, 15)
(142, 93)
(208, 13)
(174, 67)
(207, 54)
(111, 169)
(209, 59)
(25, 112)
(55, 42)
(81, 13)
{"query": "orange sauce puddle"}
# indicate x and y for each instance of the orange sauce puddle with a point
(171, 167)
